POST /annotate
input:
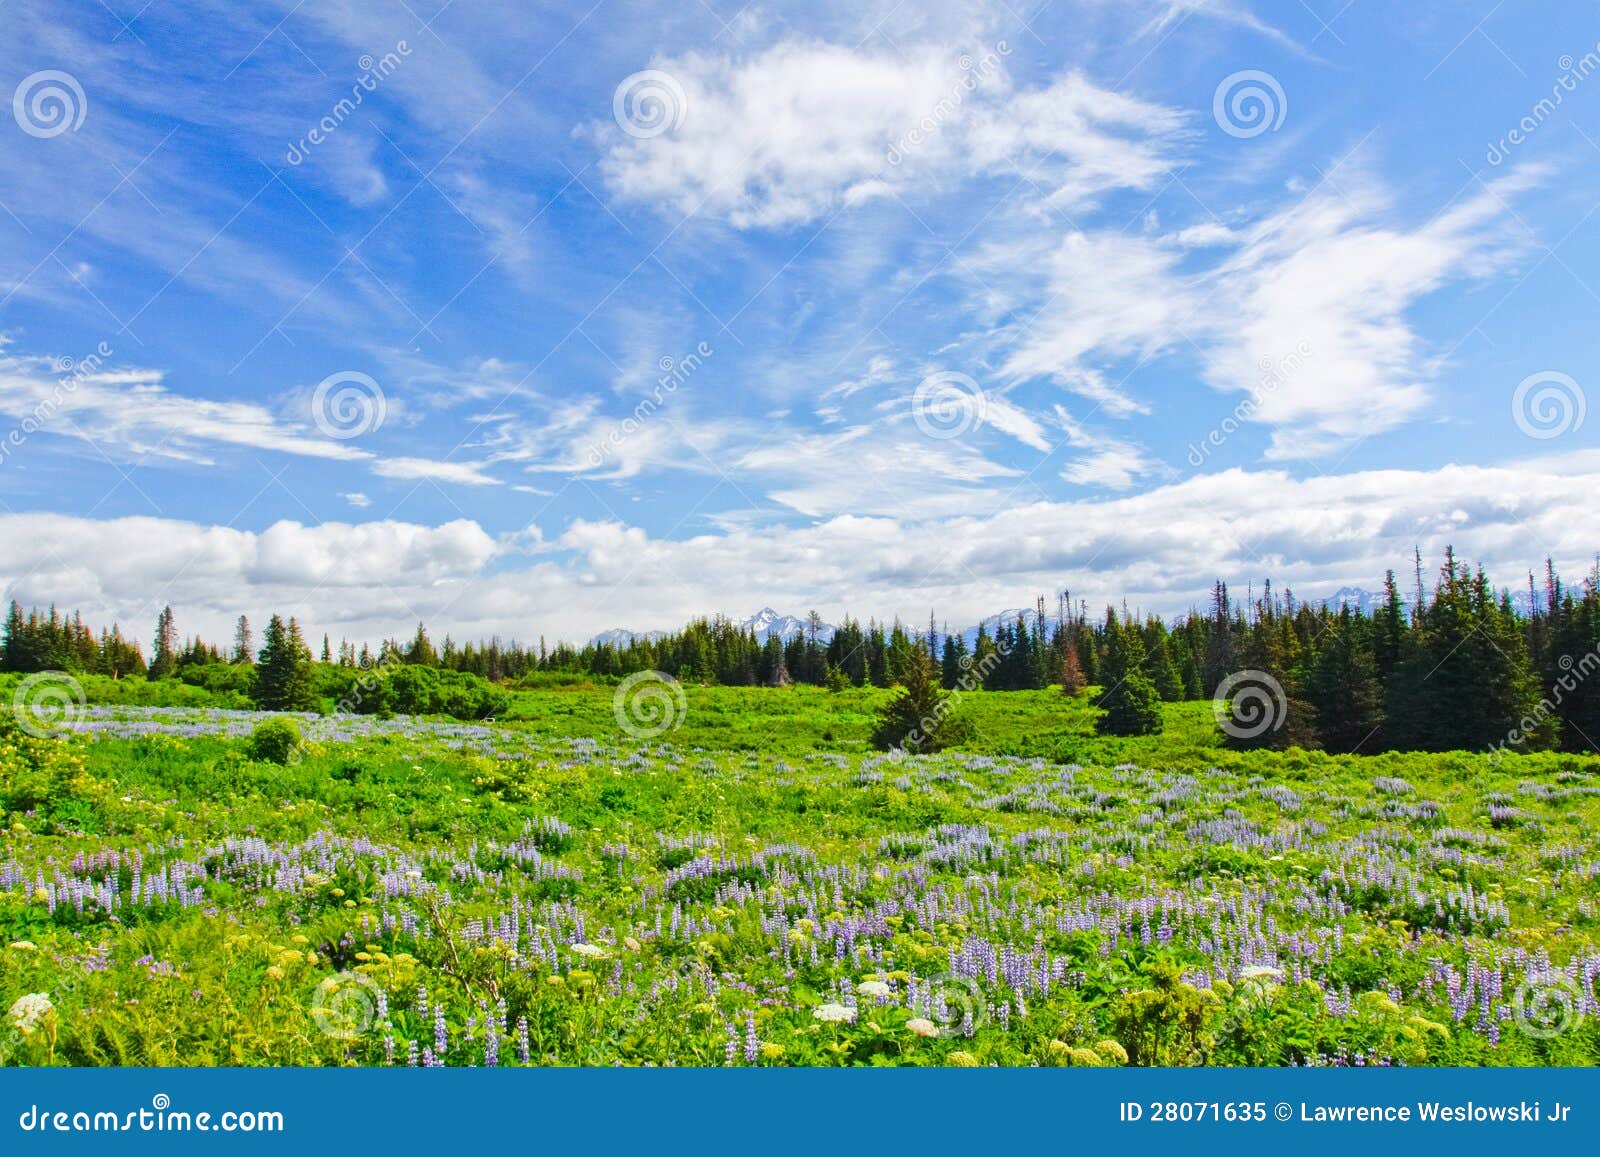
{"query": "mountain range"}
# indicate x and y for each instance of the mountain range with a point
(767, 621)
(764, 623)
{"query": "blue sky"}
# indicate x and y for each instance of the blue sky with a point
(955, 304)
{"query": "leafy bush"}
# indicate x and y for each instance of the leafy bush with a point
(39, 773)
(414, 690)
(275, 741)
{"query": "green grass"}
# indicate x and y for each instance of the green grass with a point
(1144, 877)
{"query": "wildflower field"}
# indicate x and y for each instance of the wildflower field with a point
(758, 888)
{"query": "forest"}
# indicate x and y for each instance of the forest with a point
(1451, 668)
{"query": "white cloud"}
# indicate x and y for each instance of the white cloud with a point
(1112, 462)
(1329, 277)
(1173, 12)
(1015, 421)
(783, 136)
(460, 473)
(131, 411)
(882, 468)
(1110, 295)
(1161, 548)
(1309, 304)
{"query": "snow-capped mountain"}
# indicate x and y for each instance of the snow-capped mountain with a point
(767, 622)
(1361, 599)
(618, 637)
(764, 623)
(1356, 598)
(993, 623)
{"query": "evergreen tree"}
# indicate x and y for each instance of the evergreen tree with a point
(1389, 628)
(1266, 708)
(1463, 681)
(955, 661)
(775, 672)
(284, 677)
(1128, 698)
(1219, 657)
(164, 651)
(1158, 662)
(1344, 687)
(920, 718)
(421, 652)
(244, 643)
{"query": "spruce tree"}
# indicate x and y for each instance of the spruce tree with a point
(14, 655)
(1389, 628)
(1463, 681)
(1128, 698)
(920, 718)
(1158, 662)
(164, 650)
(1344, 688)
(1219, 657)
(284, 677)
(1266, 707)
(421, 652)
(244, 644)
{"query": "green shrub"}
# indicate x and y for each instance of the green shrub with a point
(38, 773)
(276, 741)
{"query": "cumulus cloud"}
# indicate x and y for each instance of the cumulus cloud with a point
(1162, 548)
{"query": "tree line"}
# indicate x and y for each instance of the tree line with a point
(1454, 668)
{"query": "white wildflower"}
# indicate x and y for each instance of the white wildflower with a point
(589, 951)
(922, 1026)
(834, 1013)
(1260, 972)
(873, 988)
(30, 1010)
